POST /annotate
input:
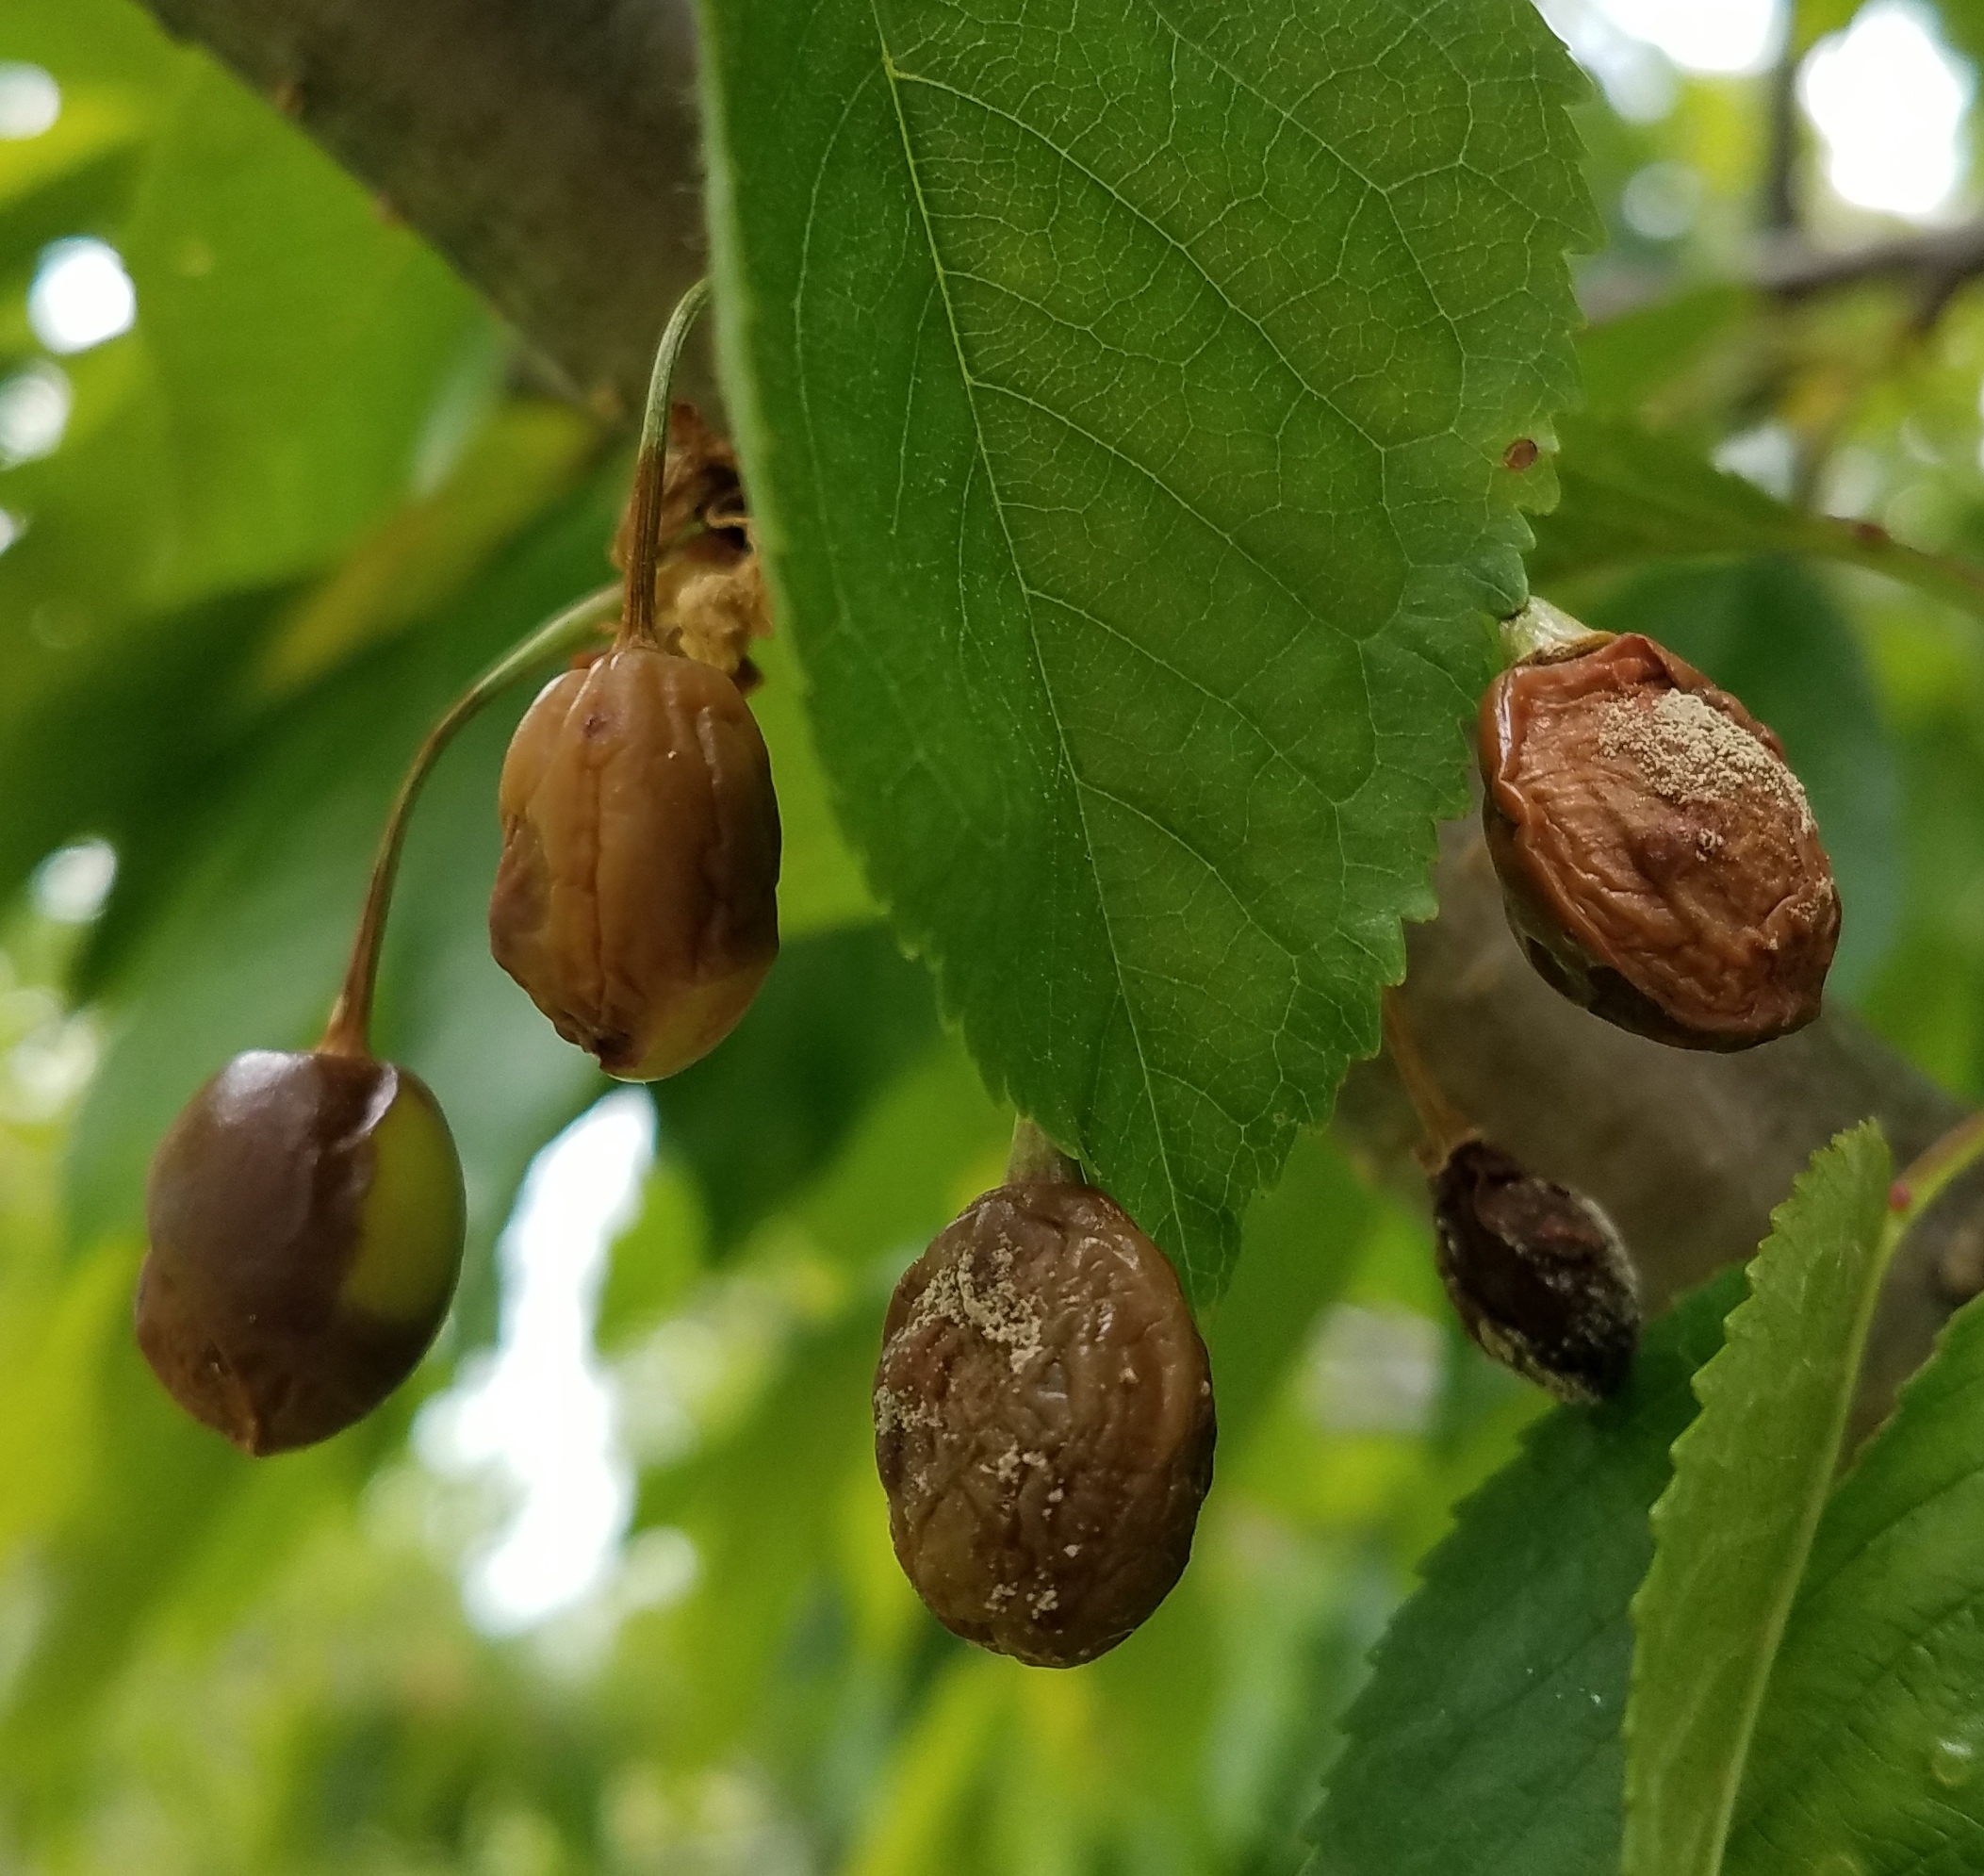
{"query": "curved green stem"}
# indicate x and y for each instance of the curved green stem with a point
(1036, 1157)
(649, 471)
(1541, 627)
(1924, 1180)
(563, 633)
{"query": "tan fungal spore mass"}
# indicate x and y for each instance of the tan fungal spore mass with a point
(1536, 1272)
(636, 897)
(1043, 1424)
(1659, 858)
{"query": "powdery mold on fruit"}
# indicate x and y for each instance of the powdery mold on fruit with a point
(1043, 1424)
(637, 898)
(1658, 856)
(305, 1215)
(1537, 1273)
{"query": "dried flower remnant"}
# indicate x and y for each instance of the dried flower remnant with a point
(1659, 859)
(708, 584)
(1043, 1424)
(1537, 1273)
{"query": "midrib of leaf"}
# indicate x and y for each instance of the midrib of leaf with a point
(972, 387)
(1776, 1397)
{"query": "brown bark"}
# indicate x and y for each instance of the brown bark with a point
(548, 148)
(1688, 1152)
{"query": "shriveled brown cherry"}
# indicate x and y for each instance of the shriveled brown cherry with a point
(637, 898)
(1043, 1424)
(1537, 1273)
(305, 1215)
(1658, 857)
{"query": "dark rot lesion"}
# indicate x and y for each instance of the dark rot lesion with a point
(306, 1216)
(1537, 1273)
(1043, 1423)
(1658, 857)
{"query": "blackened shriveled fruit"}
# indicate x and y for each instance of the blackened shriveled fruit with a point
(1659, 860)
(636, 899)
(305, 1214)
(1043, 1424)
(1537, 1273)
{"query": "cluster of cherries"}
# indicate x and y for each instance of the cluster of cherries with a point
(1043, 1405)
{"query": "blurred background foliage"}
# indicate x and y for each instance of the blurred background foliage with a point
(610, 1587)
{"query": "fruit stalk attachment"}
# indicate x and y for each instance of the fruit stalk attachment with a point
(650, 469)
(350, 1025)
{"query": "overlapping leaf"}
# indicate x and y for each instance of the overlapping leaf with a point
(1871, 1747)
(1124, 385)
(1733, 1530)
(1487, 1742)
(1630, 496)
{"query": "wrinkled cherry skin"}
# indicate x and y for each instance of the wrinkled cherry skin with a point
(637, 898)
(1700, 911)
(305, 1215)
(1043, 1424)
(1536, 1272)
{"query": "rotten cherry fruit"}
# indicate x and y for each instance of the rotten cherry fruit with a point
(305, 1217)
(1043, 1424)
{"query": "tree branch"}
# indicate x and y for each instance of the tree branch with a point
(1935, 263)
(548, 151)
(1688, 1152)
(548, 148)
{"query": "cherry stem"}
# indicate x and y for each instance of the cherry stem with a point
(1036, 1157)
(1925, 1178)
(1541, 627)
(650, 469)
(1443, 1123)
(563, 633)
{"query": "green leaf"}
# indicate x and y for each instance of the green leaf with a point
(1487, 1742)
(820, 883)
(1871, 1744)
(297, 340)
(1628, 494)
(839, 1017)
(1812, 20)
(1623, 360)
(1123, 392)
(1733, 1530)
